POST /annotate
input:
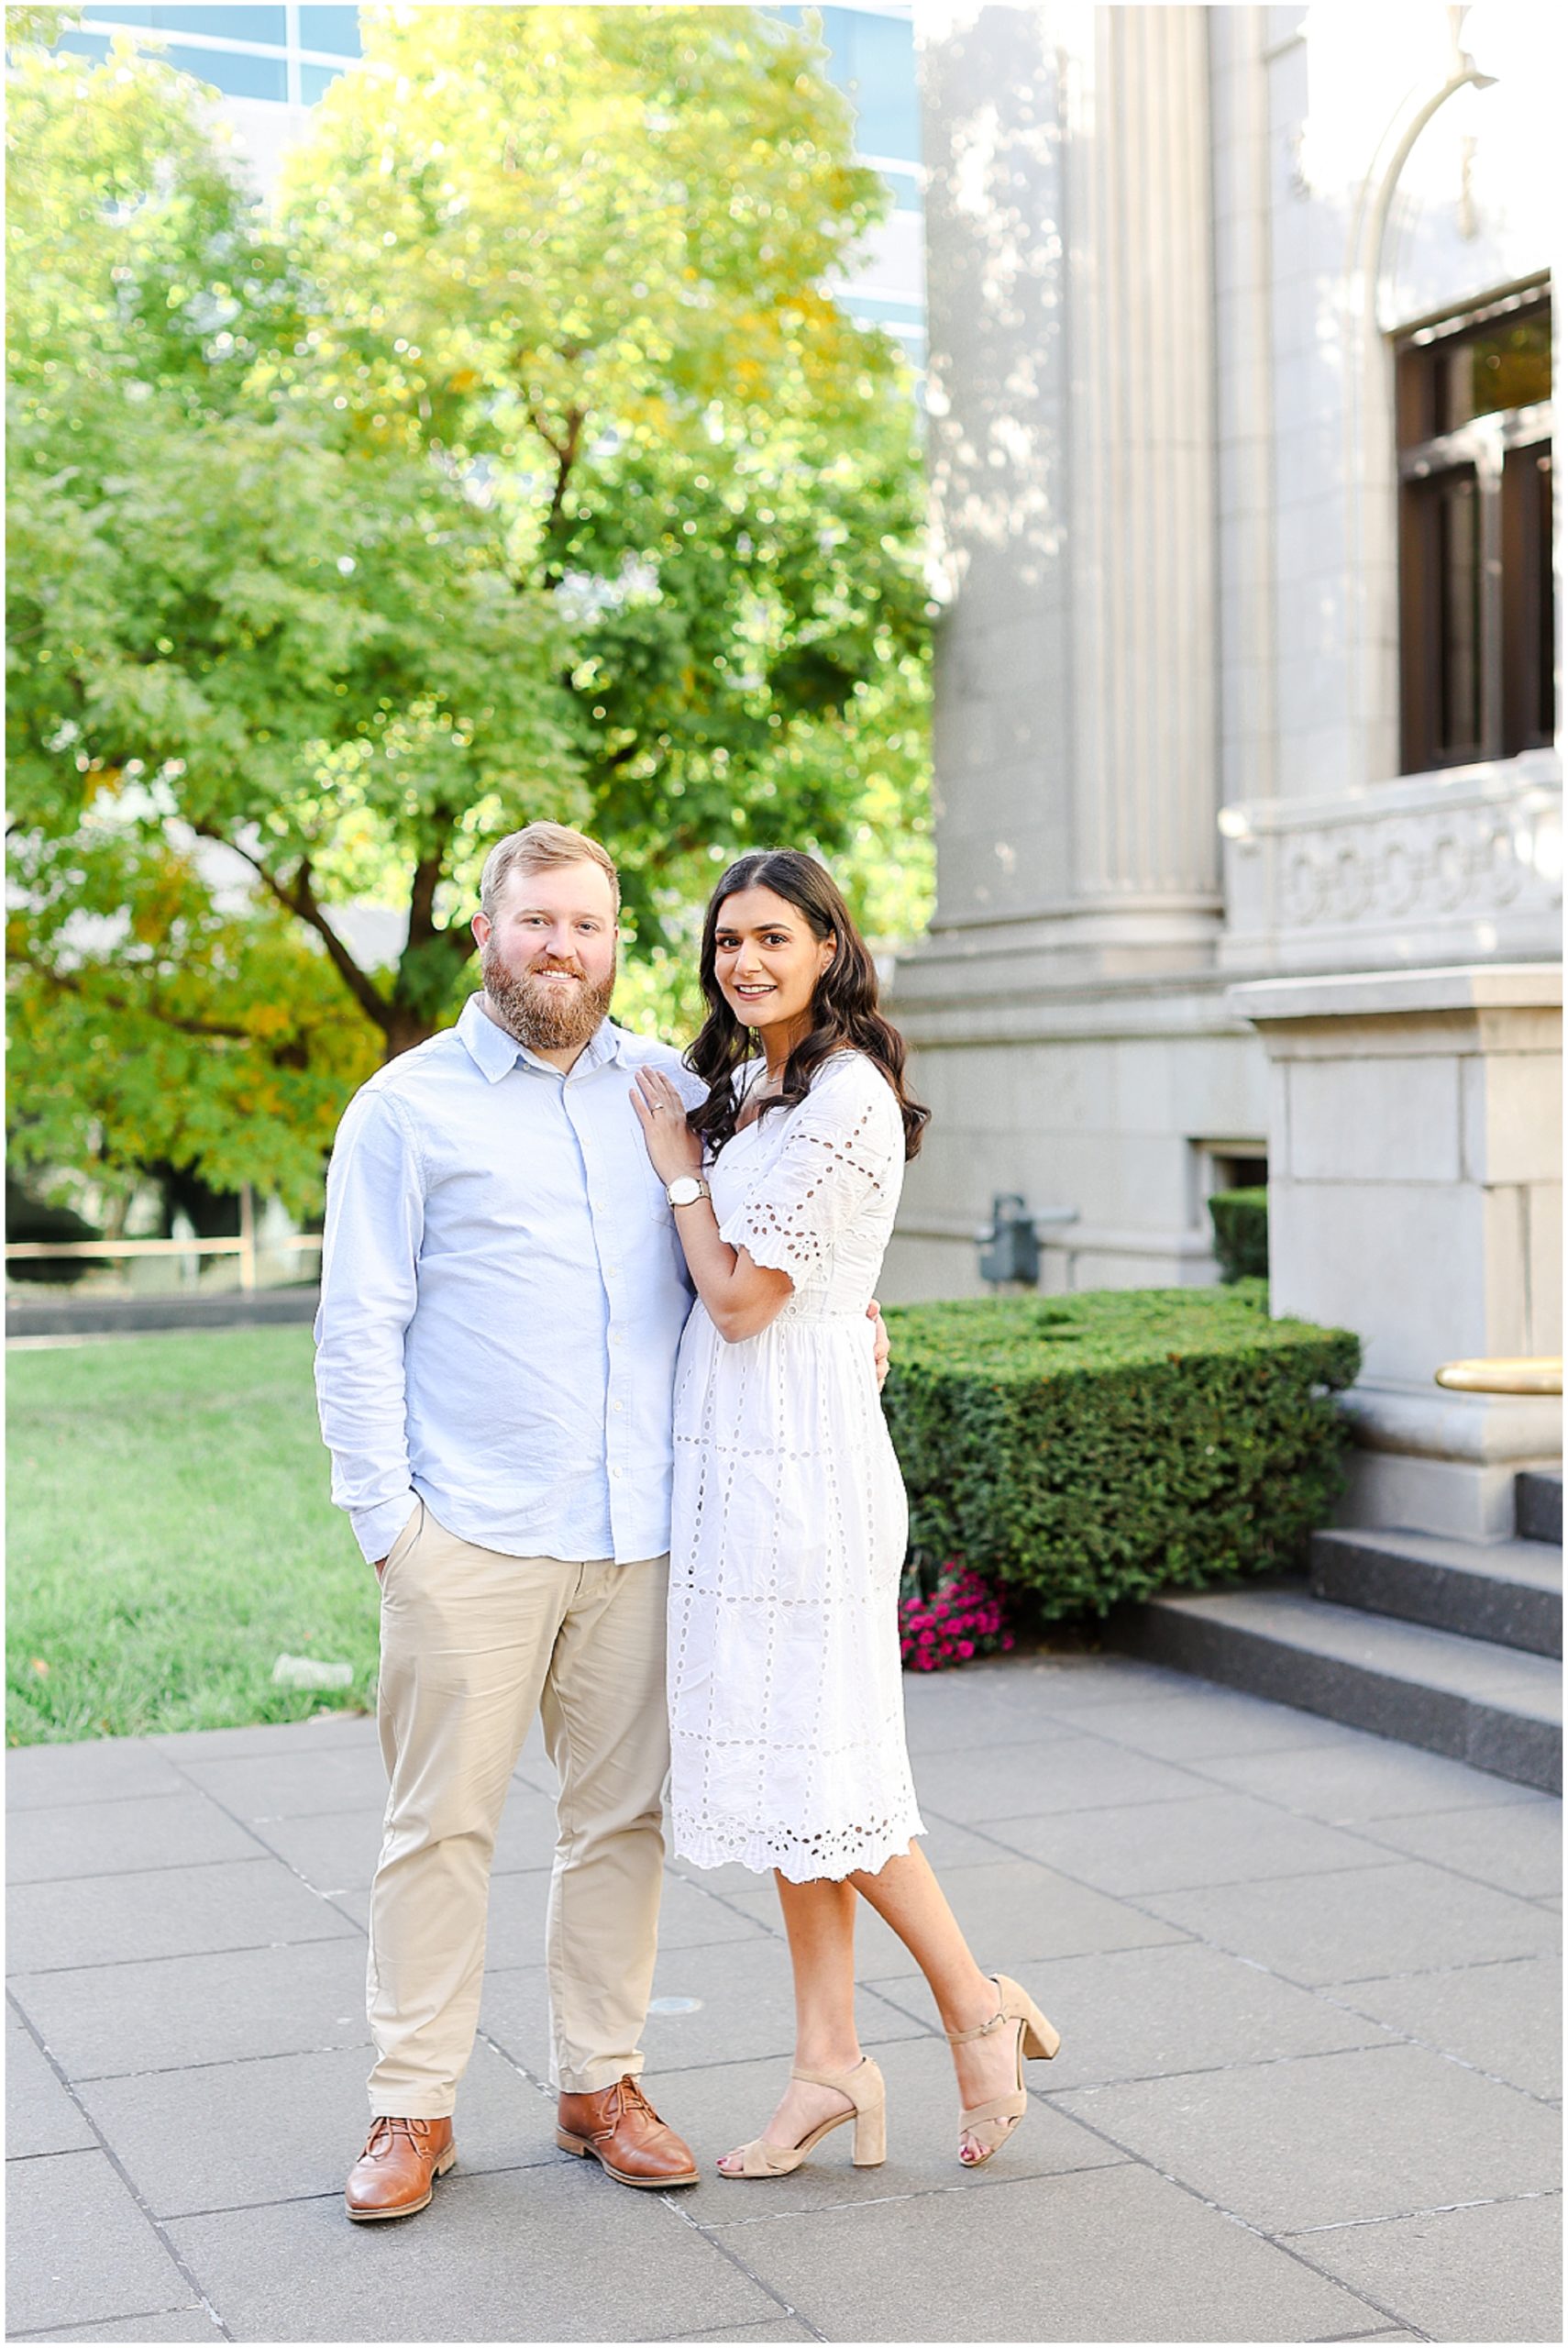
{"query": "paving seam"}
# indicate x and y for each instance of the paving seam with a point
(1393, 1850)
(1259, 2234)
(1397, 1745)
(1185, 1932)
(163, 1867)
(1432, 1972)
(1411, 2038)
(722, 1900)
(1393, 2037)
(463, 2171)
(217, 2062)
(170, 1793)
(1528, 1797)
(126, 2315)
(1396, 2037)
(279, 1860)
(1329, 2338)
(1233, 1883)
(174, 1956)
(185, 1956)
(926, 2193)
(735, 2260)
(1438, 2209)
(886, 1983)
(180, 2265)
(93, 1801)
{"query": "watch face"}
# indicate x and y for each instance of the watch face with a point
(685, 1190)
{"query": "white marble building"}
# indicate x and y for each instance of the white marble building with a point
(1240, 355)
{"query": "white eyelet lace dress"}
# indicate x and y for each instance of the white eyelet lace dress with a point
(786, 1698)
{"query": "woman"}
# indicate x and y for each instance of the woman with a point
(789, 1518)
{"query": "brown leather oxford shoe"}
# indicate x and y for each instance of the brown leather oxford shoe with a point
(391, 2177)
(621, 2130)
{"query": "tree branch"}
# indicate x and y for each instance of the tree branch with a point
(565, 454)
(427, 876)
(67, 983)
(299, 898)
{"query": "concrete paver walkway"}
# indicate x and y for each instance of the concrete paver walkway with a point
(1305, 1981)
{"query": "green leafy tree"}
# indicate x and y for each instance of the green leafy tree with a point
(521, 466)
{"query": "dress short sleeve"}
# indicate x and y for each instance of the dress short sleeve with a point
(844, 1145)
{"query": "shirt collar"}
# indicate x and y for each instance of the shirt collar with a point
(496, 1053)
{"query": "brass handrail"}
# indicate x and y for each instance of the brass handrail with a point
(1506, 1374)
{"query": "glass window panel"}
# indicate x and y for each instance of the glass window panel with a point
(337, 31)
(871, 59)
(1458, 554)
(119, 15)
(314, 80)
(1545, 617)
(93, 45)
(268, 24)
(836, 36)
(882, 85)
(1529, 695)
(883, 306)
(1506, 364)
(906, 190)
(235, 73)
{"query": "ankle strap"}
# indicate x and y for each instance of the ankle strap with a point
(838, 2080)
(962, 2037)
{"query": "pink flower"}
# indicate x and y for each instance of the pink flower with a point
(957, 1619)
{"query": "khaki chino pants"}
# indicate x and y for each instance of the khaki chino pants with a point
(473, 1644)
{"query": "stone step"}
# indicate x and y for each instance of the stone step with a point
(1538, 1504)
(1507, 1591)
(1492, 1706)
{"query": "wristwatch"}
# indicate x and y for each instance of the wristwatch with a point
(686, 1189)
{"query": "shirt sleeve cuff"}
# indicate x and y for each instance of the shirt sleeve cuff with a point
(375, 1529)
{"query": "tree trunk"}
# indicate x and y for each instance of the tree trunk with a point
(403, 1029)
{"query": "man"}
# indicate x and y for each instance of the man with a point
(502, 1296)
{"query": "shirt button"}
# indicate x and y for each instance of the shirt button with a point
(617, 1473)
(615, 1406)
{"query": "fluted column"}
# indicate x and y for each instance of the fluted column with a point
(1073, 466)
(1140, 310)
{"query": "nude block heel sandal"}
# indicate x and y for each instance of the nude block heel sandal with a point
(1037, 2039)
(867, 2093)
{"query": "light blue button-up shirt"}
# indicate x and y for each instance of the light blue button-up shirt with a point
(503, 1294)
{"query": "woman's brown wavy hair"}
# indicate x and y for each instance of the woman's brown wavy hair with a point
(843, 1008)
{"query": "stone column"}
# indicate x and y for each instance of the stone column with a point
(1415, 1196)
(1141, 302)
(997, 450)
(1070, 287)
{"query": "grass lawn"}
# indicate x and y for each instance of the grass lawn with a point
(171, 1535)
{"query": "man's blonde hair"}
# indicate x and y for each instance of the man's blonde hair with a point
(536, 848)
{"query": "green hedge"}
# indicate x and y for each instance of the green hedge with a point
(1089, 1449)
(1241, 1233)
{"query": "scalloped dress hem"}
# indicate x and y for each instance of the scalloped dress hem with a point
(711, 1846)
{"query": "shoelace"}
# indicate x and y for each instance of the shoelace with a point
(386, 2128)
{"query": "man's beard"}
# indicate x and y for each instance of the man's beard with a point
(541, 1013)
